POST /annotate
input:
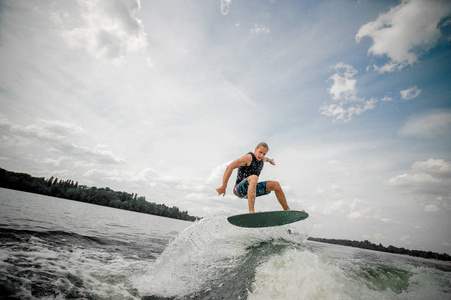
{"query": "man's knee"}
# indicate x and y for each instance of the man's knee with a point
(273, 186)
(253, 180)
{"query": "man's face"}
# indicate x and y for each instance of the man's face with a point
(260, 152)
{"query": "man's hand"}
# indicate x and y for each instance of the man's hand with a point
(221, 190)
(271, 161)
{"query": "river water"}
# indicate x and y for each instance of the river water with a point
(53, 248)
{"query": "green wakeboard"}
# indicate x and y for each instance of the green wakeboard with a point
(267, 219)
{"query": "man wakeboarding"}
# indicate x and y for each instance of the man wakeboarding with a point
(249, 168)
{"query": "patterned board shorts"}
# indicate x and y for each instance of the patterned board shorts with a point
(240, 190)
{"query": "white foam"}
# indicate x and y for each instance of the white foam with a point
(427, 283)
(299, 275)
(303, 274)
(199, 254)
(101, 273)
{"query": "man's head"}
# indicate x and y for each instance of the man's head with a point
(263, 144)
(261, 150)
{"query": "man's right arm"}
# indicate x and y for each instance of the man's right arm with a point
(242, 161)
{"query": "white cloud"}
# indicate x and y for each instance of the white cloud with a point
(429, 181)
(344, 92)
(333, 110)
(378, 236)
(430, 208)
(95, 154)
(359, 109)
(59, 136)
(354, 215)
(333, 207)
(404, 238)
(49, 130)
(413, 179)
(216, 174)
(54, 162)
(410, 93)
(358, 209)
(147, 177)
(260, 29)
(109, 29)
(430, 124)
(344, 84)
(340, 112)
(437, 167)
(151, 178)
(406, 31)
(225, 5)
(387, 99)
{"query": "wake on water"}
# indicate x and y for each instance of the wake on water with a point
(211, 259)
(215, 260)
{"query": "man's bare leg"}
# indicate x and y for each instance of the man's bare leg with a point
(275, 186)
(251, 192)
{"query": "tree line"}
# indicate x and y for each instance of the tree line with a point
(68, 189)
(391, 249)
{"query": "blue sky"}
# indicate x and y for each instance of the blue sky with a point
(157, 97)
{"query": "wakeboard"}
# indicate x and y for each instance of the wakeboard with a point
(267, 219)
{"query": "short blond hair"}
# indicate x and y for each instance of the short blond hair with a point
(263, 144)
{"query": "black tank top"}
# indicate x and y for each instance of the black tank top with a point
(254, 168)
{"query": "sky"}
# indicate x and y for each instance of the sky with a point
(157, 97)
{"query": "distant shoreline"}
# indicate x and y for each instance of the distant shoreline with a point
(390, 249)
(70, 190)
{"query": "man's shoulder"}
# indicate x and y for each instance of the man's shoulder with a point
(247, 158)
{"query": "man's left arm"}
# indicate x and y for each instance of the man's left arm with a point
(270, 160)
